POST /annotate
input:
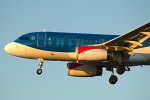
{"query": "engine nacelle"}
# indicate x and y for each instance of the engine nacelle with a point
(87, 53)
(81, 70)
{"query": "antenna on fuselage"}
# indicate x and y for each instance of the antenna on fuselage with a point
(44, 30)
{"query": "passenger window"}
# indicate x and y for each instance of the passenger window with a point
(22, 38)
(95, 41)
(26, 38)
(143, 43)
(147, 43)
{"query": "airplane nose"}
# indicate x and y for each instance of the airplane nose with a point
(13, 49)
(8, 48)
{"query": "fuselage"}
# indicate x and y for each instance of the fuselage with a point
(61, 42)
(61, 46)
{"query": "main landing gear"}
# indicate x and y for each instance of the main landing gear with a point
(39, 71)
(120, 70)
(113, 79)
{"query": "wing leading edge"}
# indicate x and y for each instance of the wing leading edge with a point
(127, 42)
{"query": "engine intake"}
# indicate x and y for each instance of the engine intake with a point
(87, 53)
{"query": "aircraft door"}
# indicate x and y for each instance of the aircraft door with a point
(41, 39)
(101, 41)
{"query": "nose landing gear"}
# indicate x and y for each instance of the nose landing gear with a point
(39, 71)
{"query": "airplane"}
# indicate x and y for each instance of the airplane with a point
(87, 54)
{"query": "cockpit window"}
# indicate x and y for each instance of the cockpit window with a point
(26, 38)
(21, 38)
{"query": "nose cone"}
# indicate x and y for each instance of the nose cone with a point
(9, 48)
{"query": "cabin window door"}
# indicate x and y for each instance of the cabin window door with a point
(41, 39)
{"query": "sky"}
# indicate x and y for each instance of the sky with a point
(18, 78)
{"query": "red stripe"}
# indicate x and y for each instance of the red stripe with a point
(74, 65)
(85, 48)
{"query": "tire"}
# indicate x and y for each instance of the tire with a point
(39, 71)
(113, 79)
(120, 70)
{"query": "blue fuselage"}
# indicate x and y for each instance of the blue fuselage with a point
(61, 42)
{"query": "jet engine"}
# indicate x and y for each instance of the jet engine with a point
(87, 53)
(82, 70)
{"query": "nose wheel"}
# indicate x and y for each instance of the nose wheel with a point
(39, 71)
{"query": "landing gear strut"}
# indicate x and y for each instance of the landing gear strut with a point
(39, 71)
(113, 79)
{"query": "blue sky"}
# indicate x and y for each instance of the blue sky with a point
(18, 78)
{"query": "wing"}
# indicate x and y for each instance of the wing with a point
(129, 40)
